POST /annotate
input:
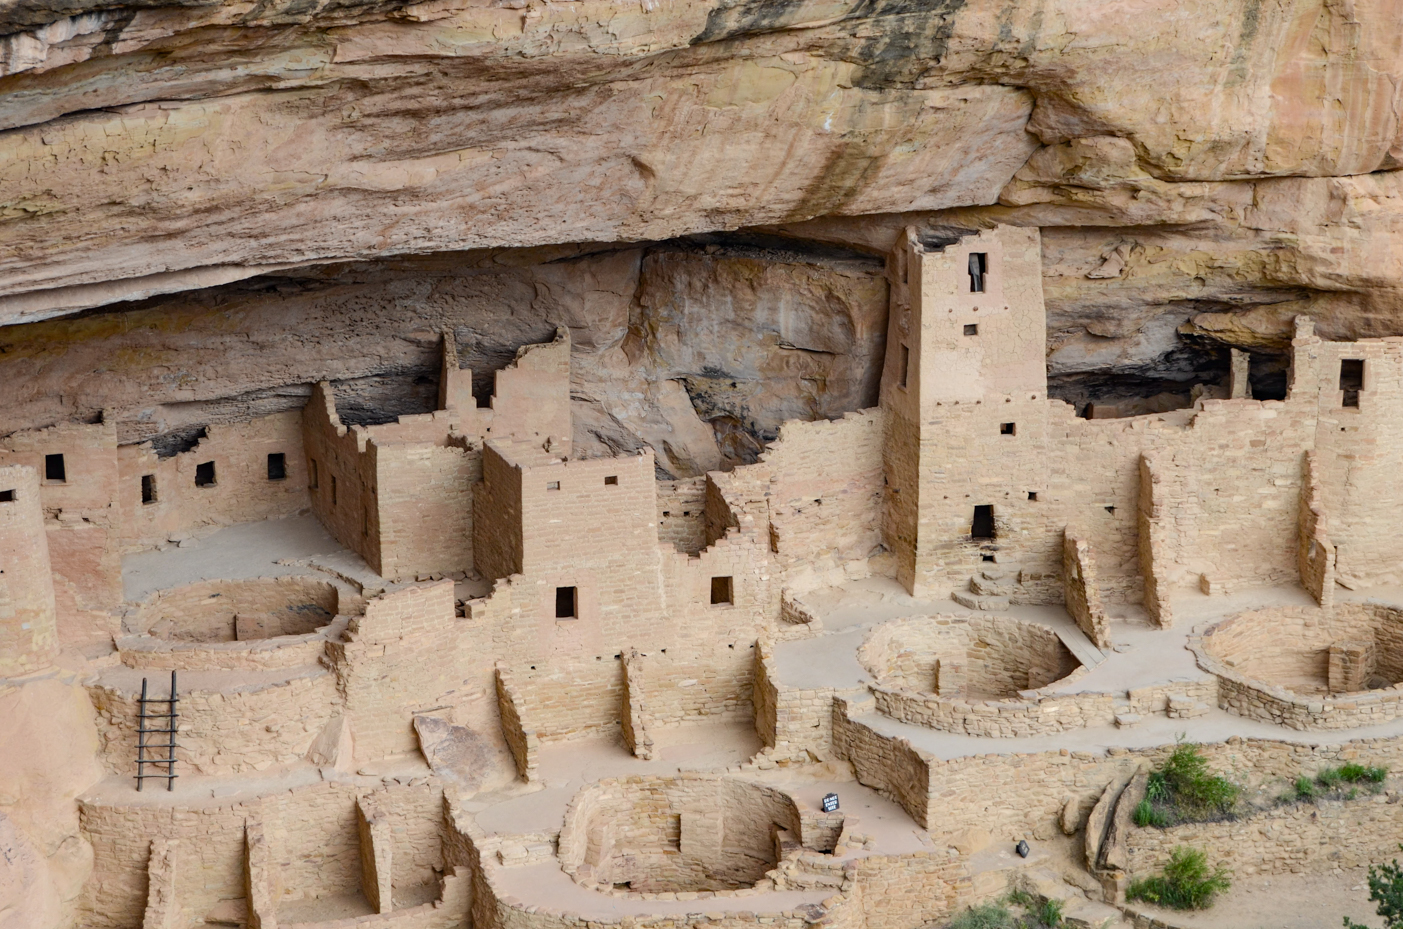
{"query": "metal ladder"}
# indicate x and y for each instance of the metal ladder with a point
(164, 750)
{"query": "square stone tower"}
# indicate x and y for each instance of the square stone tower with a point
(28, 631)
(965, 390)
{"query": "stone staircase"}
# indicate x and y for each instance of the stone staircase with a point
(991, 588)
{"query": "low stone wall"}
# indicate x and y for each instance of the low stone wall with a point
(1292, 839)
(1248, 651)
(1037, 712)
(247, 729)
(205, 612)
(288, 651)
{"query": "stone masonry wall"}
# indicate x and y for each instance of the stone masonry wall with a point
(28, 624)
(246, 730)
(825, 496)
(400, 658)
(242, 490)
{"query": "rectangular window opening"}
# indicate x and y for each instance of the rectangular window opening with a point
(722, 590)
(611, 481)
(971, 328)
(277, 466)
(333, 490)
(204, 474)
(312, 473)
(365, 522)
(1351, 379)
(986, 558)
(1008, 428)
(553, 485)
(983, 524)
(148, 488)
(1032, 495)
(905, 370)
(978, 268)
(54, 469)
(567, 603)
(7, 496)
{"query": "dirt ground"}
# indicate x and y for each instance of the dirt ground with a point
(1287, 901)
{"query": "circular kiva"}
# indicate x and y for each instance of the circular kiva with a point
(980, 675)
(1306, 667)
(243, 610)
(658, 834)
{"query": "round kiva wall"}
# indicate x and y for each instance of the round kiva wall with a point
(227, 611)
(666, 834)
(972, 657)
(1309, 668)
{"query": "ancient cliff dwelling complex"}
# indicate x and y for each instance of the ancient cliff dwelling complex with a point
(700, 464)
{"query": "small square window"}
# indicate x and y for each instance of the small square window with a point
(1032, 495)
(611, 481)
(7, 496)
(312, 473)
(1008, 428)
(148, 488)
(567, 603)
(204, 474)
(722, 590)
(277, 466)
(971, 328)
(552, 485)
(54, 469)
(986, 558)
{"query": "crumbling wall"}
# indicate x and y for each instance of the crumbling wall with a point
(340, 475)
(402, 657)
(1083, 590)
(1316, 554)
(681, 514)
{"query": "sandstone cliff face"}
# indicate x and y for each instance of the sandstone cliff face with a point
(154, 148)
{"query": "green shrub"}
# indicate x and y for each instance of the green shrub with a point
(1385, 889)
(1183, 790)
(1187, 883)
(1305, 788)
(984, 916)
(1362, 774)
